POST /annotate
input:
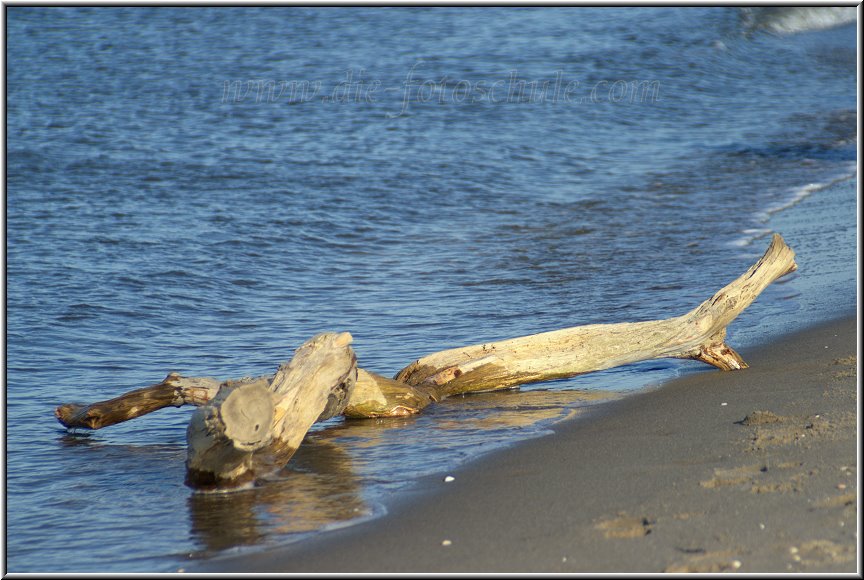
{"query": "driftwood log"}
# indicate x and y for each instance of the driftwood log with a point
(253, 428)
(247, 428)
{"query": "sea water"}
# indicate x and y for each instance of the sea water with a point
(200, 190)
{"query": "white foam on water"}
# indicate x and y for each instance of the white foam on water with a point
(807, 190)
(749, 236)
(789, 20)
(798, 194)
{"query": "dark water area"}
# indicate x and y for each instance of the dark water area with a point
(200, 190)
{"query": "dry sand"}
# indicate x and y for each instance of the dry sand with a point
(748, 471)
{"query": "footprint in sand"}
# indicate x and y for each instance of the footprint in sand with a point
(848, 361)
(771, 430)
(821, 552)
(707, 562)
(733, 476)
(625, 526)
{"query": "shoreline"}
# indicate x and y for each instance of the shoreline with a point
(749, 471)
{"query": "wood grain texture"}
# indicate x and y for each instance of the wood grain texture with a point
(228, 445)
(699, 335)
(251, 429)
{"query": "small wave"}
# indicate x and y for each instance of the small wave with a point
(748, 236)
(806, 190)
(789, 20)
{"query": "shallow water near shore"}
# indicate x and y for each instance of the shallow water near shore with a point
(159, 222)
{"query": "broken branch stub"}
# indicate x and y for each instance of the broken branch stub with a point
(223, 435)
(377, 396)
(252, 429)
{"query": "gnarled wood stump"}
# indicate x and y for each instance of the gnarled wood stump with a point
(231, 441)
(251, 429)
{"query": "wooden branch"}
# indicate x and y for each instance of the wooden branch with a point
(253, 428)
(173, 391)
(573, 351)
(322, 380)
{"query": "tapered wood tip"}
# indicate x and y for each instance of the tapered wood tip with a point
(343, 339)
(779, 248)
(778, 243)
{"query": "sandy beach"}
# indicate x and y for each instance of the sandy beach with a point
(750, 471)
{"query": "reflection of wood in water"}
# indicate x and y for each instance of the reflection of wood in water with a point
(518, 409)
(316, 489)
(322, 484)
(479, 412)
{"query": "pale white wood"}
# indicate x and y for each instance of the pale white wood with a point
(251, 427)
(697, 334)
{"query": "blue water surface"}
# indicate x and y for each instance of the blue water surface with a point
(200, 190)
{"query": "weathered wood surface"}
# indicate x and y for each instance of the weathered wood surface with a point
(223, 436)
(699, 335)
(173, 391)
(253, 428)
(322, 379)
(377, 396)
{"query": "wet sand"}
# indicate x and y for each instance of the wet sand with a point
(748, 471)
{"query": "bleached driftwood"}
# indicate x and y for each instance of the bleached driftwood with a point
(224, 435)
(253, 428)
(297, 390)
(699, 335)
